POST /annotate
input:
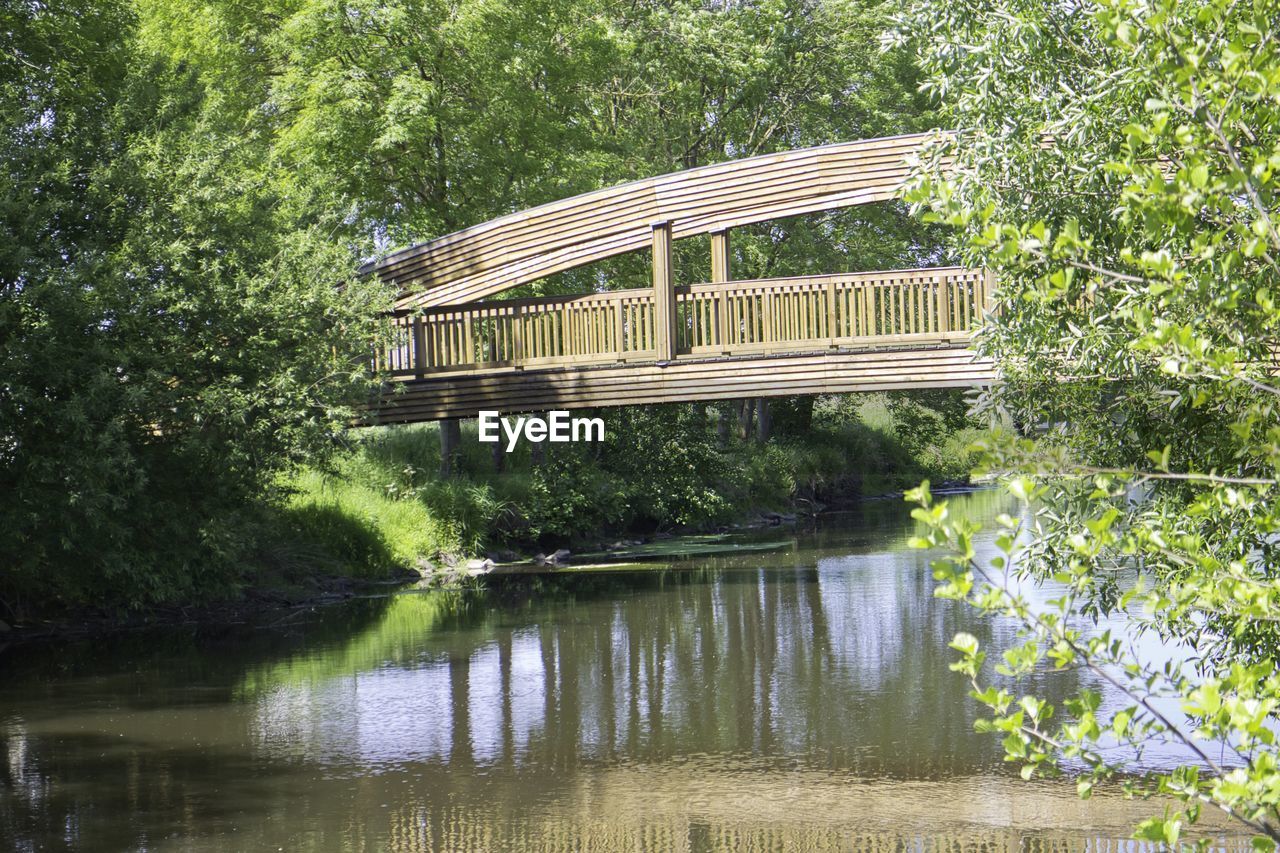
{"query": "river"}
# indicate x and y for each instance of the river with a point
(791, 699)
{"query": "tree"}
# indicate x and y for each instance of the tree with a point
(173, 333)
(434, 116)
(1117, 166)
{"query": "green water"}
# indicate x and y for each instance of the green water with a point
(789, 700)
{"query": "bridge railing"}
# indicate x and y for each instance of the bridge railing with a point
(907, 307)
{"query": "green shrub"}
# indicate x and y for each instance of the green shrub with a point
(669, 462)
(568, 497)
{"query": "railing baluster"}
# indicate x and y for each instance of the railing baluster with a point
(917, 296)
(767, 316)
(617, 328)
(448, 357)
(469, 345)
(935, 305)
(796, 315)
(898, 309)
(724, 318)
(944, 291)
(885, 292)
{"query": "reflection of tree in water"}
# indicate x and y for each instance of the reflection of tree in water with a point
(531, 712)
(834, 660)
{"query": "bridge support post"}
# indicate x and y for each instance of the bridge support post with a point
(721, 271)
(664, 294)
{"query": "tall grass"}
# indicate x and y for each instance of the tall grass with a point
(368, 531)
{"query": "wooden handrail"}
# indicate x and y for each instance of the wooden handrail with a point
(603, 297)
(896, 307)
(611, 296)
(875, 277)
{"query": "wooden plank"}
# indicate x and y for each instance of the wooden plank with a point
(622, 374)
(828, 372)
(534, 398)
(619, 376)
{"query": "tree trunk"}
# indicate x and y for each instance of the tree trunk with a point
(499, 457)
(450, 440)
(746, 416)
(763, 421)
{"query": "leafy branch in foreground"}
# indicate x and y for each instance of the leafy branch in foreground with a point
(1118, 168)
(1227, 713)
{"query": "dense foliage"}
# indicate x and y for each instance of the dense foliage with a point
(1118, 167)
(432, 116)
(172, 332)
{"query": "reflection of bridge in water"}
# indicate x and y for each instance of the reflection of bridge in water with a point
(720, 339)
(692, 808)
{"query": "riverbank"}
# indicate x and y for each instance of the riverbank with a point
(267, 606)
(282, 603)
(661, 470)
(277, 601)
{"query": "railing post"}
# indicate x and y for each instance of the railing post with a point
(517, 337)
(721, 271)
(831, 311)
(419, 346)
(664, 294)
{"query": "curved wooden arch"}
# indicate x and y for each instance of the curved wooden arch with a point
(502, 253)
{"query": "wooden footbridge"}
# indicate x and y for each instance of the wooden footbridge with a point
(456, 351)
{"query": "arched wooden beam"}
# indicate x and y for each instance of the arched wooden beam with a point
(502, 253)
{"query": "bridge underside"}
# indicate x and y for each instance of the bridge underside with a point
(830, 371)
